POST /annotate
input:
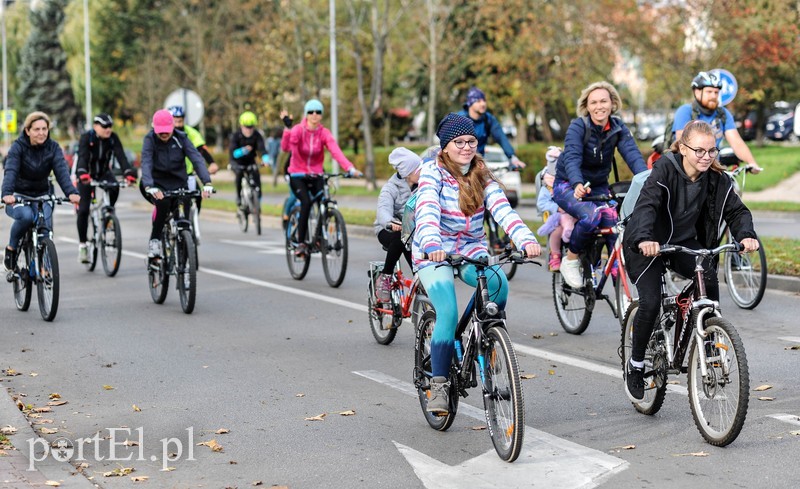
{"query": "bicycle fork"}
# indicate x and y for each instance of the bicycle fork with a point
(700, 336)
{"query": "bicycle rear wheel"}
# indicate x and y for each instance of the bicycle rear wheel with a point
(334, 248)
(746, 276)
(243, 212)
(22, 280)
(111, 244)
(186, 270)
(298, 265)
(158, 276)
(48, 279)
(719, 400)
(502, 395)
(572, 306)
(255, 210)
(625, 292)
(92, 245)
(381, 324)
(655, 388)
(422, 375)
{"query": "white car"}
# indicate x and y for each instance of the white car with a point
(498, 162)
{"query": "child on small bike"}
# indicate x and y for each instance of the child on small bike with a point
(388, 220)
(558, 224)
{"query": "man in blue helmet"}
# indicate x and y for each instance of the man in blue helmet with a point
(486, 124)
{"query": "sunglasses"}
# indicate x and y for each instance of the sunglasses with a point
(318, 112)
(106, 126)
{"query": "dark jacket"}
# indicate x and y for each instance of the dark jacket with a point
(163, 164)
(592, 162)
(256, 141)
(485, 126)
(94, 155)
(28, 167)
(664, 193)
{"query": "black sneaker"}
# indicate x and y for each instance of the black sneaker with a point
(10, 259)
(634, 382)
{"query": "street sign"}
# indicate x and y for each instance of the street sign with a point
(729, 86)
(9, 121)
(191, 102)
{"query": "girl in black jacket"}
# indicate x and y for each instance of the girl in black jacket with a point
(681, 203)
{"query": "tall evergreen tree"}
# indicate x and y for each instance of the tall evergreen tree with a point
(44, 83)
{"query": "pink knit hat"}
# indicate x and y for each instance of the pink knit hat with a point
(162, 121)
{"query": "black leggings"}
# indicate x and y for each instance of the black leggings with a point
(306, 189)
(239, 171)
(649, 287)
(394, 249)
(84, 206)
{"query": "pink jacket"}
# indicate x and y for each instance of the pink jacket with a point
(307, 149)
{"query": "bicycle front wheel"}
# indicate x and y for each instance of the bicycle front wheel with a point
(298, 264)
(422, 375)
(111, 244)
(502, 395)
(48, 279)
(243, 211)
(157, 275)
(655, 387)
(186, 271)
(746, 276)
(334, 248)
(625, 292)
(719, 400)
(571, 306)
(381, 323)
(22, 280)
(92, 244)
(255, 210)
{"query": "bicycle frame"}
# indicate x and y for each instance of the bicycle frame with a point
(406, 288)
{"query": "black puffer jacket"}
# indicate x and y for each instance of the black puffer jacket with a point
(28, 167)
(662, 195)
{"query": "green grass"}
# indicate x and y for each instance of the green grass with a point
(779, 163)
(356, 217)
(783, 256)
(354, 190)
(774, 206)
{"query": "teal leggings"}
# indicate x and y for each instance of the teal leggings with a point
(439, 283)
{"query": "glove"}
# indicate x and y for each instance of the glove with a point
(85, 178)
(265, 159)
(516, 163)
(208, 188)
(354, 173)
(287, 121)
(152, 190)
(131, 179)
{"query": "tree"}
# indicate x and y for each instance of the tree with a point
(44, 83)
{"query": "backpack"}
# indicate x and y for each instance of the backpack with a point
(669, 135)
(409, 220)
(587, 133)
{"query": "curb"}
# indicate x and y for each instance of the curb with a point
(49, 468)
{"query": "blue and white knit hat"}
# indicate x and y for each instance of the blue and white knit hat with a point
(473, 95)
(453, 126)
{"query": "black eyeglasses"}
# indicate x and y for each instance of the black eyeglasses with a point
(460, 143)
(700, 152)
(318, 112)
(106, 126)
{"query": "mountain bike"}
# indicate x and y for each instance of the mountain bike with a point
(106, 231)
(718, 379)
(407, 300)
(179, 254)
(483, 351)
(250, 200)
(37, 261)
(326, 234)
(574, 307)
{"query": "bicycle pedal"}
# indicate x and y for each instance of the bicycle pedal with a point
(10, 276)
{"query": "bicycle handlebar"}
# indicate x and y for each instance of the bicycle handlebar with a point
(506, 256)
(26, 199)
(107, 184)
(729, 248)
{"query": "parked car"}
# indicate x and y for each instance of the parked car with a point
(747, 125)
(651, 128)
(780, 126)
(498, 162)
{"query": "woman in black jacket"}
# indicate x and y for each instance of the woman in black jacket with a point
(31, 159)
(681, 203)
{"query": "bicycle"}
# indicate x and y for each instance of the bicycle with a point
(327, 234)
(37, 261)
(718, 378)
(106, 230)
(407, 300)
(483, 350)
(179, 254)
(574, 307)
(496, 237)
(250, 200)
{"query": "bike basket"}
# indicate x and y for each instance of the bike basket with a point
(409, 220)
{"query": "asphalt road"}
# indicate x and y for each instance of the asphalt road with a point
(262, 352)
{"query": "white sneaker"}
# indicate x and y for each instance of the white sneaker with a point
(83, 253)
(154, 248)
(571, 272)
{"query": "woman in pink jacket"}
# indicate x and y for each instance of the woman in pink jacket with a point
(307, 142)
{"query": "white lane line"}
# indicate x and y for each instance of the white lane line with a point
(786, 418)
(790, 339)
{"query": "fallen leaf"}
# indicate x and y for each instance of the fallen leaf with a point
(139, 478)
(108, 387)
(795, 433)
(233, 462)
(34, 374)
(527, 376)
(10, 372)
(136, 408)
(764, 387)
(349, 412)
(49, 431)
(551, 372)
(222, 431)
(59, 402)
(119, 472)
(793, 347)
(537, 337)
(553, 334)
(692, 454)
(591, 414)
(478, 428)
(299, 395)
(43, 421)
(3, 453)
(168, 469)
(212, 444)
(131, 443)
(259, 483)
(52, 483)
(55, 395)
(625, 447)
(34, 415)
(83, 465)
(318, 417)
(8, 430)
(43, 409)
(766, 398)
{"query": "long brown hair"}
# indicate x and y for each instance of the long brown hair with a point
(471, 185)
(690, 129)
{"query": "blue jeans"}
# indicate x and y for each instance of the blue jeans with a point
(590, 215)
(439, 283)
(24, 216)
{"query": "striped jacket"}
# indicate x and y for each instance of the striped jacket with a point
(440, 224)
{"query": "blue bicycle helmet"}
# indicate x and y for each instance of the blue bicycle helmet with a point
(176, 111)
